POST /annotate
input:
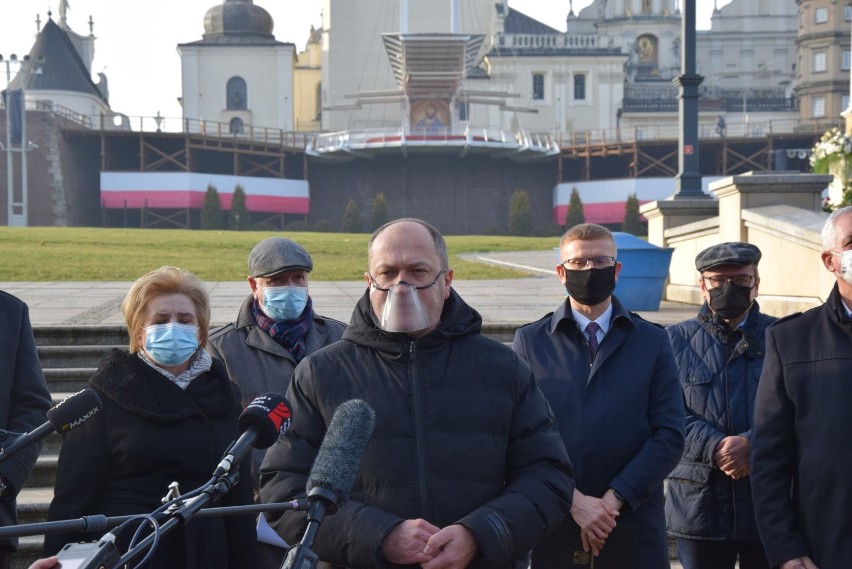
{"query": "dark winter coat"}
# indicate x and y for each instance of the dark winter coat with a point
(24, 401)
(462, 436)
(621, 417)
(719, 370)
(801, 473)
(259, 364)
(150, 433)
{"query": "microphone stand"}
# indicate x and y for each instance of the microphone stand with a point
(180, 514)
(301, 556)
(89, 524)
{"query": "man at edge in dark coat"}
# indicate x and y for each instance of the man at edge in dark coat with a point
(801, 471)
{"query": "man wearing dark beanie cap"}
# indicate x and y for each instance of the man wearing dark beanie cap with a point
(720, 357)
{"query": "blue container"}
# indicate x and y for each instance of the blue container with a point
(644, 270)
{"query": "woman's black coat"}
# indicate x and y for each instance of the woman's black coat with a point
(148, 434)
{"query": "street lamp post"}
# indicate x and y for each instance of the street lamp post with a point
(688, 178)
(9, 163)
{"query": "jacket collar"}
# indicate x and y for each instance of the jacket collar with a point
(621, 317)
(134, 386)
(838, 309)
(716, 325)
(258, 338)
(747, 339)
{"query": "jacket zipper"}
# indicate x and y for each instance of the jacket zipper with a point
(419, 435)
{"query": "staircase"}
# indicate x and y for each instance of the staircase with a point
(69, 355)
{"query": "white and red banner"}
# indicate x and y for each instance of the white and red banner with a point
(178, 190)
(603, 200)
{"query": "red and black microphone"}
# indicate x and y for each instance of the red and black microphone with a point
(265, 419)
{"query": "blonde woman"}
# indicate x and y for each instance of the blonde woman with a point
(169, 413)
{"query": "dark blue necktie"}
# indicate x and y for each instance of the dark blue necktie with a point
(592, 330)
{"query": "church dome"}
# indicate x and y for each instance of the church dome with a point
(237, 18)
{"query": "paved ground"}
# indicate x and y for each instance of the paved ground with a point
(505, 301)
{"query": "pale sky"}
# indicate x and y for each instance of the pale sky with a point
(136, 41)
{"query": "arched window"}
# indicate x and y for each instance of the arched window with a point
(319, 102)
(236, 126)
(237, 96)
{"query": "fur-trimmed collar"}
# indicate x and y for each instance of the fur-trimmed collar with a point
(136, 387)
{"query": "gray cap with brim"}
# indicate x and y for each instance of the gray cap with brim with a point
(277, 254)
(732, 253)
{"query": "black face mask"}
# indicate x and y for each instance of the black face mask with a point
(590, 287)
(730, 301)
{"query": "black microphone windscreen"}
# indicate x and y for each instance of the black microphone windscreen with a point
(339, 457)
(270, 413)
(74, 411)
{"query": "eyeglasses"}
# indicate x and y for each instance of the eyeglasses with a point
(386, 282)
(716, 281)
(581, 263)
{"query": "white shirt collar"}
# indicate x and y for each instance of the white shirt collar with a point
(848, 312)
(603, 320)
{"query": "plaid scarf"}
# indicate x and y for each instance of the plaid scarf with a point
(289, 333)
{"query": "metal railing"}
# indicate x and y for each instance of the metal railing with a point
(757, 125)
(521, 42)
(482, 137)
(754, 127)
(154, 124)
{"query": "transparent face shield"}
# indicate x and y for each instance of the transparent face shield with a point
(403, 311)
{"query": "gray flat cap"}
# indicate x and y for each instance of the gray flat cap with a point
(277, 254)
(735, 253)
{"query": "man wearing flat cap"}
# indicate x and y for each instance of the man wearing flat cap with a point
(719, 354)
(276, 326)
(275, 329)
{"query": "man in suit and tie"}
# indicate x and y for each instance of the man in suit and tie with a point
(612, 382)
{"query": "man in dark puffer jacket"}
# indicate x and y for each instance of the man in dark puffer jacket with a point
(719, 356)
(465, 466)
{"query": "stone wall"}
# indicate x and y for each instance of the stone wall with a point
(779, 212)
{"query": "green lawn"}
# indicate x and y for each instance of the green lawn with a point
(97, 254)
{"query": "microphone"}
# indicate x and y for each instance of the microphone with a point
(340, 454)
(262, 422)
(333, 473)
(66, 415)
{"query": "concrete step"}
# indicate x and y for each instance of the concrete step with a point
(51, 444)
(80, 335)
(67, 379)
(33, 504)
(44, 472)
(504, 333)
(88, 356)
(29, 550)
